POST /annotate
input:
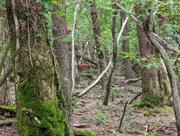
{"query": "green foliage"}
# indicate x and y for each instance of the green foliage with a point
(151, 63)
(116, 91)
(143, 103)
(154, 134)
(80, 132)
(74, 103)
(151, 112)
(87, 74)
(151, 102)
(101, 115)
(2, 2)
(135, 125)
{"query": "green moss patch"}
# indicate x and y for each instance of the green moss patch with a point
(80, 132)
(8, 108)
(150, 102)
(36, 116)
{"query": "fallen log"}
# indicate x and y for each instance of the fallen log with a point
(8, 111)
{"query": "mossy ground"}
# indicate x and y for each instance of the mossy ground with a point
(80, 132)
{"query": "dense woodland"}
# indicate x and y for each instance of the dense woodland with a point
(89, 68)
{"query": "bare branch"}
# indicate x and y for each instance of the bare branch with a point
(109, 64)
(73, 48)
(133, 80)
(4, 54)
(10, 69)
(96, 81)
(124, 111)
(165, 44)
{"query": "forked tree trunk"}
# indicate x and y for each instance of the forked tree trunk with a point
(127, 65)
(96, 31)
(37, 107)
(171, 75)
(150, 82)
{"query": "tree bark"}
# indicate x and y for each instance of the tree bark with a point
(37, 107)
(62, 52)
(108, 85)
(97, 34)
(163, 75)
(127, 65)
(150, 82)
(172, 78)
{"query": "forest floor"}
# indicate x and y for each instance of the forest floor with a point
(90, 114)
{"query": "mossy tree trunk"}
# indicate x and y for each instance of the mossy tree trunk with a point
(61, 33)
(37, 107)
(150, 79)
(150, 82)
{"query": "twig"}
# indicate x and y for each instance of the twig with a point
(132, 80)
(2, 81)
(147, 128)
(4, 54)
(134, 98)
(124, 111)
(122, 29)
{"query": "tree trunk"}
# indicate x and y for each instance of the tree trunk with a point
(108, 85)
(171, 75)
(6, 88)
(150, 82)
(165, 83)
(62, 51)
(37, 107)
(4, 99)
(163, 75)
(127, 65)
(96, 31)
